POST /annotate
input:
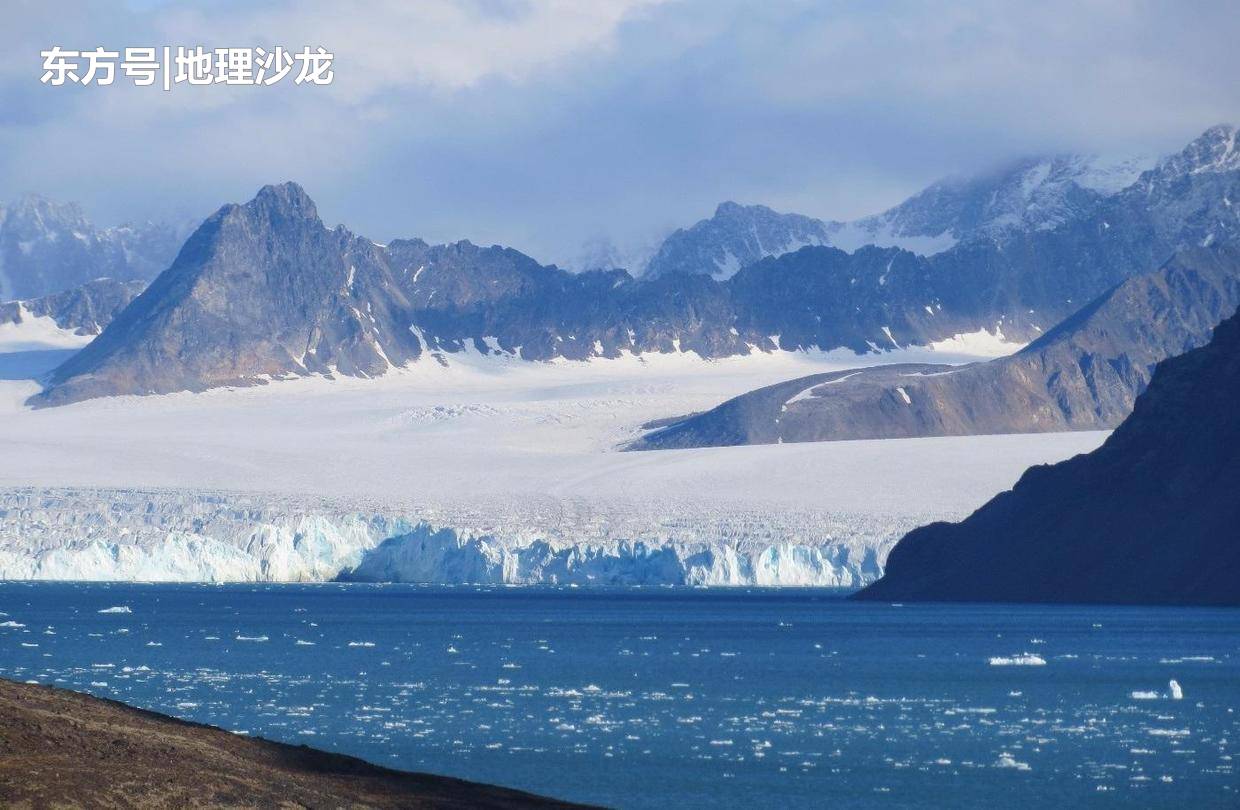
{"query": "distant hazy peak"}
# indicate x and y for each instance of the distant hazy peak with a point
(48, 246)
(1213, 151)
(734, 237)
(1026, 194)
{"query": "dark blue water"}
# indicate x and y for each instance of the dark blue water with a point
(689, 698)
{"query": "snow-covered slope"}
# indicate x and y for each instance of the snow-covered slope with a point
(1031, 194)
(30, 332)
(488, 469)
(67, 319)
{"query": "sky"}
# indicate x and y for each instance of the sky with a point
(562, 126)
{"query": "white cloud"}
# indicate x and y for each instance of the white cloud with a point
(441, 44)
(540, 123)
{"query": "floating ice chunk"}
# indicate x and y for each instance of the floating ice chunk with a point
(361, 644)
(11, 623)
(1142, 695)
(1176, 692)
(1006, 760)
(116, 609)
(1022, 660)
(301, 643)
(251, 638)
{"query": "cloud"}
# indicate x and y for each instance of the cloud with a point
(382, 45)
(546, 124)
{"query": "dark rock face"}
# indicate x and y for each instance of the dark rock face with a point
(867, 301)
(1084, 374)
(736, 236)
(84, 310)
(1149, 517)
(265, 290)
(47, 247)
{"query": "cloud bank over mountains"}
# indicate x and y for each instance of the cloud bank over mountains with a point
(548, 124)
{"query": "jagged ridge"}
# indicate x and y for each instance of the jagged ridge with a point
(265, 290)
(1084, 374)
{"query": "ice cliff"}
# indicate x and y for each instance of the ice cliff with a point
(80, 534)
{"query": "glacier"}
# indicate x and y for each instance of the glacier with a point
(173, 536)
(484, 470)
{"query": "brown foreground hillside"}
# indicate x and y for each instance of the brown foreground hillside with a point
(66, 749)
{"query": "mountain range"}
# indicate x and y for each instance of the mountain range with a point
(1082, 375)
(1149, 517)
(48, 247)
(1030, 194)
(265, 290)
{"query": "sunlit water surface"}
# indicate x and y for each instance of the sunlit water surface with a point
(656, 698)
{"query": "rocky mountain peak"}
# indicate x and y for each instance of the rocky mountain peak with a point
(34, 212)
(732, 210)
(734, 237)
(286, 200)
(1028, 194)
(1214, 151)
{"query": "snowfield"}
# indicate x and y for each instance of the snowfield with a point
(486, 469)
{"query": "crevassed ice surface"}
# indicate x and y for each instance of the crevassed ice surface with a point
(675, 697)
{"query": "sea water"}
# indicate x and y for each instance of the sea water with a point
(673, 697)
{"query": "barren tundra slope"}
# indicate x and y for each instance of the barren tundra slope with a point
(66, 749)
